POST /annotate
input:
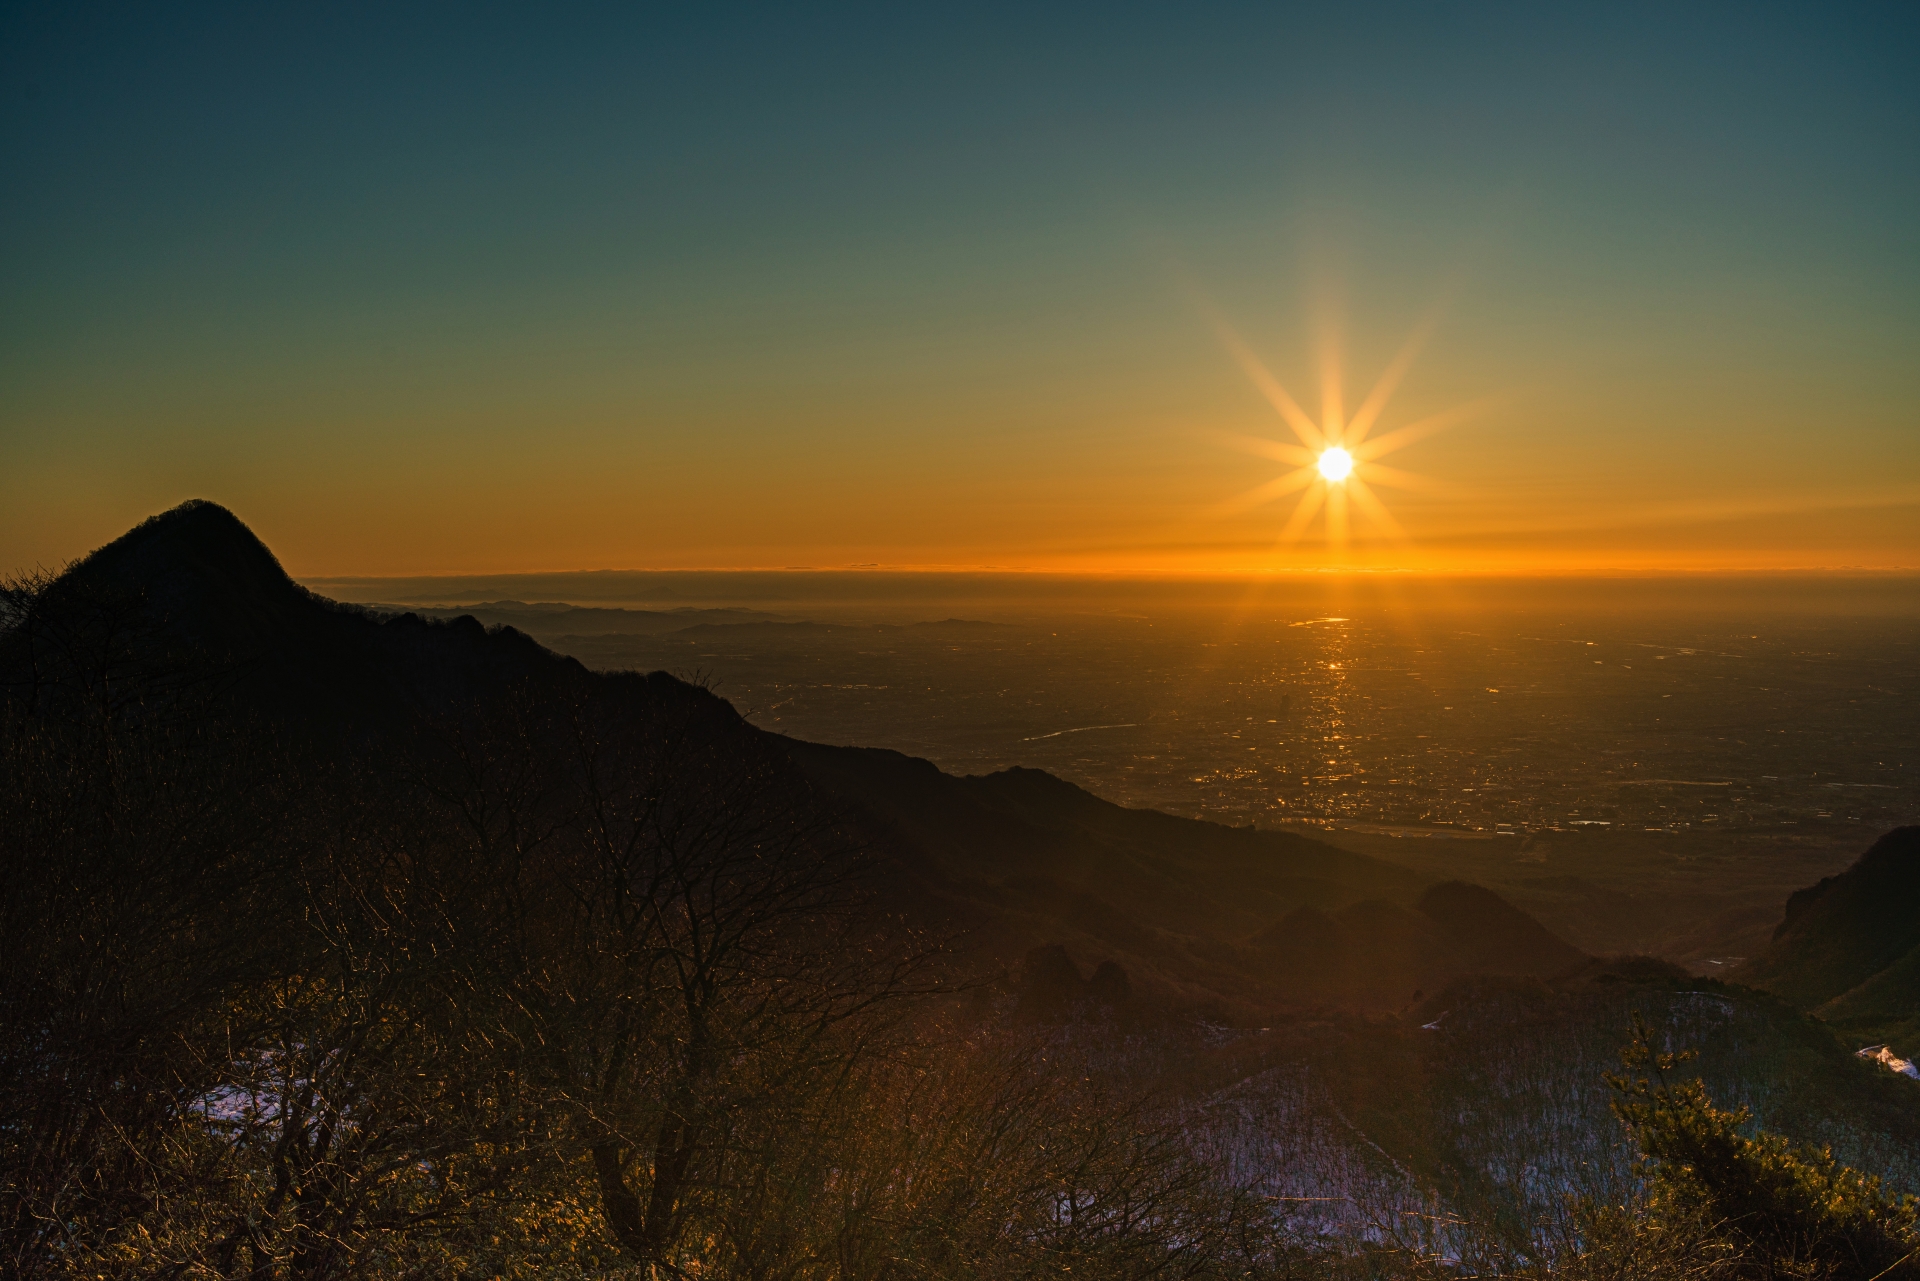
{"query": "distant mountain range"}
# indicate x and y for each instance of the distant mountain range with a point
(1233, 923)
(557, 619)
(554, 618)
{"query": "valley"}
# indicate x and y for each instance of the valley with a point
(1647, 768)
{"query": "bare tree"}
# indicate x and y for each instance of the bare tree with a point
(720, 955)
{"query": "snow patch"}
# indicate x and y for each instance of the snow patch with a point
(1889, 1060)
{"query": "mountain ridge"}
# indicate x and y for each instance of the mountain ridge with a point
(1015, 860)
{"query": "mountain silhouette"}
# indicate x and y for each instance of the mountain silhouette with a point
(1181, 913)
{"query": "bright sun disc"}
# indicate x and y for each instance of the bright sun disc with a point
(1336, 464)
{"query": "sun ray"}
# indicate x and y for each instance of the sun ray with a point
(1278, 450)
(1394, 478)
(1284, 484)
(1337, 516)
(1388, 382)
(1304, 427)
(1303, 514)
(1332, 409)
(1376, 510)
(1420, 429)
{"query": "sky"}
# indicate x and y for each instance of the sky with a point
(437, 289)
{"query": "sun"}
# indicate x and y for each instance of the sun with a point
(1334, 464)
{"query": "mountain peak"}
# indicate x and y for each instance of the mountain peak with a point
(198, 566)
(192, 579)
(198, 534)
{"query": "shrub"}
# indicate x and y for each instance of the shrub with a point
(1789, 1210)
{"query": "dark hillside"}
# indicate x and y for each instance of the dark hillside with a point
(1491, 936)
(1189, 875)
(1849, 947)
(1202, 913)
(191, 602)
(1381, 953)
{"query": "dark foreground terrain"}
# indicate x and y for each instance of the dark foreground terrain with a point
(348, 942)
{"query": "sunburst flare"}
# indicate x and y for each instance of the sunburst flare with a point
(1334, 467)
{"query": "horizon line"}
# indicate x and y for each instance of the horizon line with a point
(1176, 575)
